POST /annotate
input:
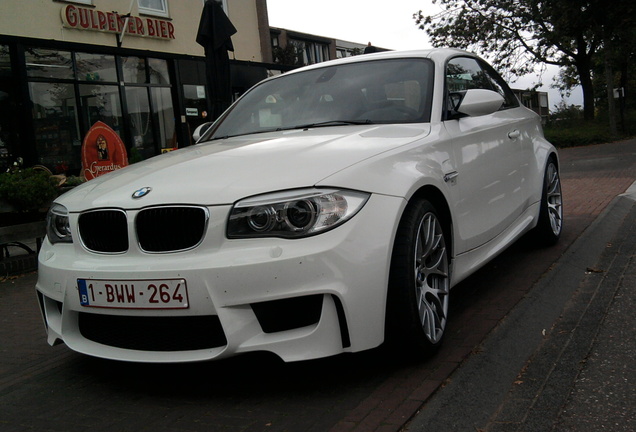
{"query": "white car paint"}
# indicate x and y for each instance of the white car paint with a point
(488, 169)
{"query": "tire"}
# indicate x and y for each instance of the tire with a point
(419, 283)
(550, 223)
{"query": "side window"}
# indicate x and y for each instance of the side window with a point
(500, 86)
(465, 73)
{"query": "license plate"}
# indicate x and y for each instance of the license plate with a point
(134, 294)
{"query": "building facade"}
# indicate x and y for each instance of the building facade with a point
(291, 47)
(537, 101)
(131, 64)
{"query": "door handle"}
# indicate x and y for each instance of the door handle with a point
(513, 135)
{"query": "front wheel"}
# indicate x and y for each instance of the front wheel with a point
(550, 223)
(419, 282)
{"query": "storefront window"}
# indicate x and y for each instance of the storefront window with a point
(55, 122)
(158, 71)
(134, 69)
(70, 92)
(164, 117)
(7, 109)
(5, 61)
(44, 63)
(195, 107)
(101, 103)
(140, 123)
(96, 67)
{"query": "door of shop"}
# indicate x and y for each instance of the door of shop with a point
(195, 103)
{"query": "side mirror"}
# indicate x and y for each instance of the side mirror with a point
(201, 130)
(478, 102)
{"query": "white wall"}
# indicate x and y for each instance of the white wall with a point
(42, 19)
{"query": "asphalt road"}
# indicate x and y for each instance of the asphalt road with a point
(46, 388)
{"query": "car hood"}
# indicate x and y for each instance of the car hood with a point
(224, 171)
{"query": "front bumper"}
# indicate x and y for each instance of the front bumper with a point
(300, 299)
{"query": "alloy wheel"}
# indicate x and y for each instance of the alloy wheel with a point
(554, 199)
(431, 277)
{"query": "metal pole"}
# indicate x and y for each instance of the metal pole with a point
(123, 30)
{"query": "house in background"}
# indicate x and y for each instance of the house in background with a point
(290, 47)
(537, 101)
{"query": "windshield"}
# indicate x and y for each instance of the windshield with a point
(380, 91)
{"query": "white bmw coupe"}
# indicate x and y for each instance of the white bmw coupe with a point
(328, 210)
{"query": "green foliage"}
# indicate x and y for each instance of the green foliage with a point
(565, 81)
(518, 35)
(566, 114)
(27, 189)
(567, 128)
(563, 135)
(74, 181)
(291, 55)
(514, 35)
(135, 156)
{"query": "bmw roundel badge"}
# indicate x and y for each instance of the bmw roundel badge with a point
(140, 193)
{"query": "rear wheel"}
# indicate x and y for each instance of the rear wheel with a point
(419, 283)
(550, 223)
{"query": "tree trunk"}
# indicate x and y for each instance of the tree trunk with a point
(583, 64)
(609, 82)
(585, 77)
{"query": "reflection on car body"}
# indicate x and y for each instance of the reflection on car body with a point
(328, 210)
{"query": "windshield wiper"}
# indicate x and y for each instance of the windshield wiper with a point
(303, 126)
(330, 123)
(222, 137)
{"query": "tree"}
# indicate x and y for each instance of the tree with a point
(519, 34)
(617, 55)
(291, 55)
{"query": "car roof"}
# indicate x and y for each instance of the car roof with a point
(438, 55)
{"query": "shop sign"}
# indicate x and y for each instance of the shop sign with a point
(81, 18)
(102, 151)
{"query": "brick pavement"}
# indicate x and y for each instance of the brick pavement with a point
(591, 177)
(51, 388)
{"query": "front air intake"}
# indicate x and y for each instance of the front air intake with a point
(153, 333)
(104, 231)
(170, 229)
(287, 314)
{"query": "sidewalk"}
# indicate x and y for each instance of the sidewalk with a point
(19, 261)
(523, 351)
(563, 359)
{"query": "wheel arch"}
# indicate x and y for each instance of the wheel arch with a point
(401, 327)
(439, 201)
(551, 156)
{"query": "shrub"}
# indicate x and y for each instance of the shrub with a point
(27, 189)
(567, 128)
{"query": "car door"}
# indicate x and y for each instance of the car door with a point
(491, 154)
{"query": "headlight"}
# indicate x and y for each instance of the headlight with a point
(58, 229)
(293, 214)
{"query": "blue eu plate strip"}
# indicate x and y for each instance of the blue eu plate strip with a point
(81, 283)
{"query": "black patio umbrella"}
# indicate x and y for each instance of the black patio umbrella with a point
(215, 31)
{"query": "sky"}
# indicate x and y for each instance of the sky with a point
(386, 24)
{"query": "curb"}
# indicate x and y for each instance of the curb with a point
(484, 384)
